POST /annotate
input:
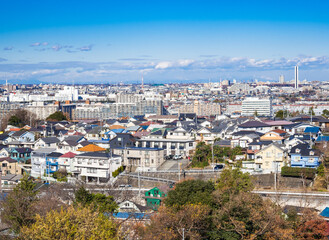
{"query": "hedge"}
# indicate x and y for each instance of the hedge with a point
(308, 173)
(118, 171)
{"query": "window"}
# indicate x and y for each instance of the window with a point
(190, 144)
(4, 165)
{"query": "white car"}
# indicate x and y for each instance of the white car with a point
(177, 157)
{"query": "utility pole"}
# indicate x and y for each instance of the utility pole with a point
(212, 155)
(139, 185)
(178, 172)
(183, 233)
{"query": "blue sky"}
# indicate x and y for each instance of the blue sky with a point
(166, 41)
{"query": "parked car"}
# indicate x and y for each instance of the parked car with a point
(177, 157)
(219, 166)
(168, 157)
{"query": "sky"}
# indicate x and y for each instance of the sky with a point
(164, 41)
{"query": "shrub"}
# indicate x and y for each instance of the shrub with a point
(118, 171)
(308, 173)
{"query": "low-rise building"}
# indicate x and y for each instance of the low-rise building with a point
(145, 159)
(271, 158)
(302, 155)
(96, 166)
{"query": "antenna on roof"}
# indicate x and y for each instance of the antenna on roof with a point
(142, 82)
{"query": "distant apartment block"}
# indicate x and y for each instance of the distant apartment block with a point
(201, 108)
(41, 110)
(251, 106)
(127, 105)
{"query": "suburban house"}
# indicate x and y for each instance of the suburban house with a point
(9, 166)
(52, 162)
(145, 159)
(47, 142)
(174, 142)
(275, 136)
(129, 206)
(255, 126)
(271, 158)
(302, 155)
(155, 196)
(65, 161)
(96, 166)
(38, 161)
(22, 155)
(21, 136)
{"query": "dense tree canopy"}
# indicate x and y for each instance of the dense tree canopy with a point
(19, 207)
(57, 116)
(72, 223)
(227, 210)
(191, 192)
(203, 154)
(98, 201)
(19, 118)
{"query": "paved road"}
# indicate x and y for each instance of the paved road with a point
(171, 165)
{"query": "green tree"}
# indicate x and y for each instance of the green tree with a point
(99, 201)
(72, 223)
(191, 192)
(57, 116)
(202, 155)
(19, 118)
(256, 113)
(233, 181)
(325, 113)
(282, 114)
(19, 208)
(248, 216)
(15, 121)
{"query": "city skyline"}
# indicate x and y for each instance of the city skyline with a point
(165, 42)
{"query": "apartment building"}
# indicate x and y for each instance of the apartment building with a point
(201, 108)
(256, 106)
(146, 159)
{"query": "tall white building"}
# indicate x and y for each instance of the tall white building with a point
(263, 107)
(281, 79)
(296, 77)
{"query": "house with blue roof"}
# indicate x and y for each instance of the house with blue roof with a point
(302, 155)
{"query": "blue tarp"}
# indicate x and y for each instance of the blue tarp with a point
(312, 130)
(325, 212)
(322, 138)
(125, 215)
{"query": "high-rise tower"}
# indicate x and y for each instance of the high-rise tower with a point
(281, 79)
(296, 77)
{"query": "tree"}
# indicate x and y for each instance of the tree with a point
(100, 202)
(72, 223)
(169, 224)
(201, 155)
(19, 118)
(325, 113)
(19, 208)
(57, 116)
(313, 229)
(256, 113)
(234, 181)
(15, 121)
(248, 216)
(281, 114)
(191, 192)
